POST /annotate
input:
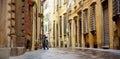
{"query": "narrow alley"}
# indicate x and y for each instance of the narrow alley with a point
(69, 29)
(70, 53)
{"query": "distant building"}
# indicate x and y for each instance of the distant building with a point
(48, 20)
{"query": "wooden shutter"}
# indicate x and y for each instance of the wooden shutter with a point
(60, 25)
(105, 22)
(116, 7)
(54, 29)
(57, 40)
(92, 18)
(70, 34)
(85, 22)
(64, 24)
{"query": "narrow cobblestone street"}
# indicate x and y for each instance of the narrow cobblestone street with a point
(64, 53)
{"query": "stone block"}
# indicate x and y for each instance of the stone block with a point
(20, 50)
(4, 53)
(16, 51)
(13, 51)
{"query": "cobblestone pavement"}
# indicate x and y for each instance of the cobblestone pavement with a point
(67, 53)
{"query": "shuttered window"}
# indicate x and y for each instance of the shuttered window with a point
(105, 25)
(65, 24)
(74, 2)
(60, 25)
(85, 22)
(60, 3)
(65, 1)
(57, 40)
(92, 18)
(116, 7)
(54, 29)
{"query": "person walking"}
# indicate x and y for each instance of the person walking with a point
(45, 42)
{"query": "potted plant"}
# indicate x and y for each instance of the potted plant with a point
(36, 44)
(40, 15)
(31, 2)
(67, 33)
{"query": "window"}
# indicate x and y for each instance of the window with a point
(65, 1)
(85, 20)
(92, 17)
(45, 28)
(57, 40)
(46, 5)
(65, 24)
(69, 5)
(75, 30)
(75, 2)
(54, 5)
(60, 3)
(116, 7)
(54, 29)
(60, 25)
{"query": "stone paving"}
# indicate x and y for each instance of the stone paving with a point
(67, 53)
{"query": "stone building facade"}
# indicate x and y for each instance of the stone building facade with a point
(20, 22)
(86, 23)
(4, 24)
